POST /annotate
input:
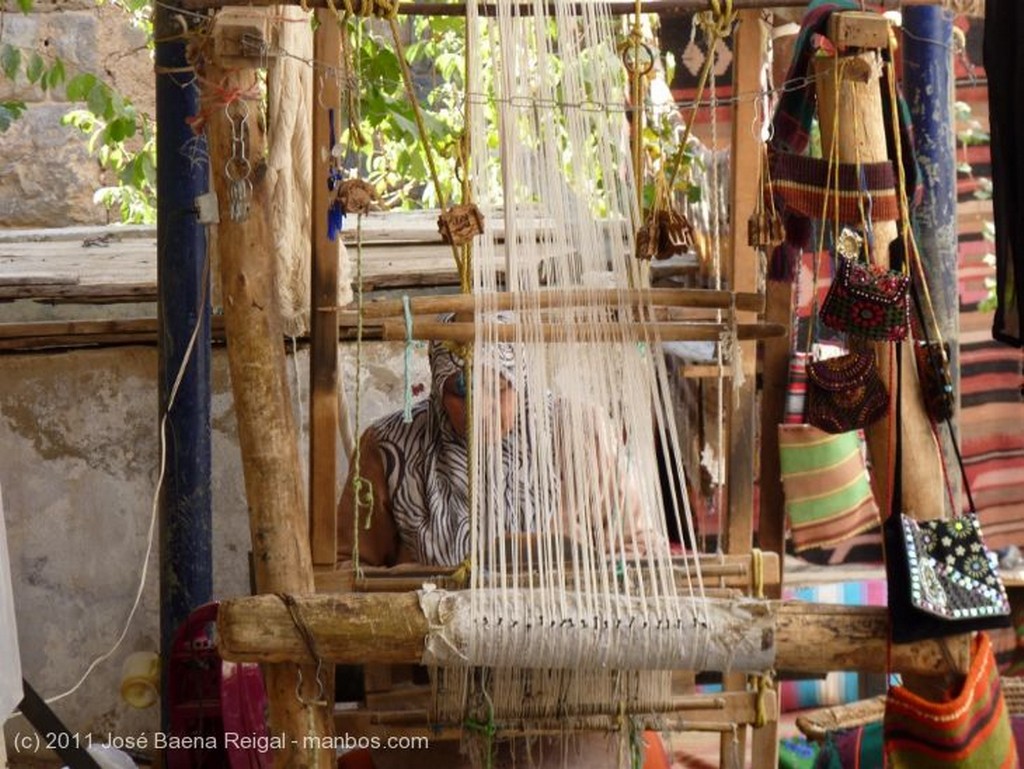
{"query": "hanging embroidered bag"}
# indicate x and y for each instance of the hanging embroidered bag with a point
(942, 579)
(845, 393)
(933, 374)
(867, 301)
(969, 730)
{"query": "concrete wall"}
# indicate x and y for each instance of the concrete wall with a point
(78, 467)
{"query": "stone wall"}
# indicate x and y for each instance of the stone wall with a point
(47, 178)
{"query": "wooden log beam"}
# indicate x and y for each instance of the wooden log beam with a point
(391, 628)
(266, 429)
(852, 117)
(662, 7)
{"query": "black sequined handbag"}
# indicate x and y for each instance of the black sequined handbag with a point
(942, 579)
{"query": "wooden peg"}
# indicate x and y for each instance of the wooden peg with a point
(858, 30)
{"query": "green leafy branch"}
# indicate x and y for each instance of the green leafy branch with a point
(121, 138)
(123, 141)
(34, 69)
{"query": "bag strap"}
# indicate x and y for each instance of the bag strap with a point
(896, 506)
(915, 300)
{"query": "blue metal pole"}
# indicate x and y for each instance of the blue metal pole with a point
(928, 85)
(186, 563)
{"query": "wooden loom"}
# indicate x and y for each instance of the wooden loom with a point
(380, 619)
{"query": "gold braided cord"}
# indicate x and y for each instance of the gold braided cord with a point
(421, 127)
(639, 114)
(833, 171)
(717, 23)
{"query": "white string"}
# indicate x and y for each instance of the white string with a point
(589, 413)
(299, 397)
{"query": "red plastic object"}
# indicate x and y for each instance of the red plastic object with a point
(217, 709)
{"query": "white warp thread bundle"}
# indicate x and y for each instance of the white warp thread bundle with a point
(568, 517)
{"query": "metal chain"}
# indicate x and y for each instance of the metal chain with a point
(238, 169)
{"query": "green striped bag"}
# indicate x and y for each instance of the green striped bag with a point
(971, 730)
(827, 488)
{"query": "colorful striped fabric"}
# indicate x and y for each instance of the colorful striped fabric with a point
(991, 414)
(969, 731)
(867, 190)
(796, 392)
(825, 481)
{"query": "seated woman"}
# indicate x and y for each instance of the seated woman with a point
(418, 472)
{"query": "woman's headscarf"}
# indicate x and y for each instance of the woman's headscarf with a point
(427, 464)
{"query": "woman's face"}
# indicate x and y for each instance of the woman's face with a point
(453, 398)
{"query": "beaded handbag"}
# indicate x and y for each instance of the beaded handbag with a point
(845, 393)
(867, 301)
(943, 579)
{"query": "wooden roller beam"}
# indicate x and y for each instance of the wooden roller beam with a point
(390, 628)
(720, 570)
(662, 297)
(716, 713)
(423, 330)
(662, 7)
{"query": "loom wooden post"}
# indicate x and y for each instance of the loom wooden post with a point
(771, 529)
(742, 275)
(391, 628)
(323, 322)
(266, 428)
(858, 126)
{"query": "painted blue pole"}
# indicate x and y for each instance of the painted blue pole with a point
(929, 87)
(186, 548)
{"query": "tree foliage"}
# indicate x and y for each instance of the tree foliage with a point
(119, 136)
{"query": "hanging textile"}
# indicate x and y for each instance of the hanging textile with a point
(1004, 66)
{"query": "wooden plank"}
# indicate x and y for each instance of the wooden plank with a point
(75, 292)
(410, 718)
(771, 527)
(741, 273)
(323, 356)
(718, 570)
(104, 232)
(359, 628)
